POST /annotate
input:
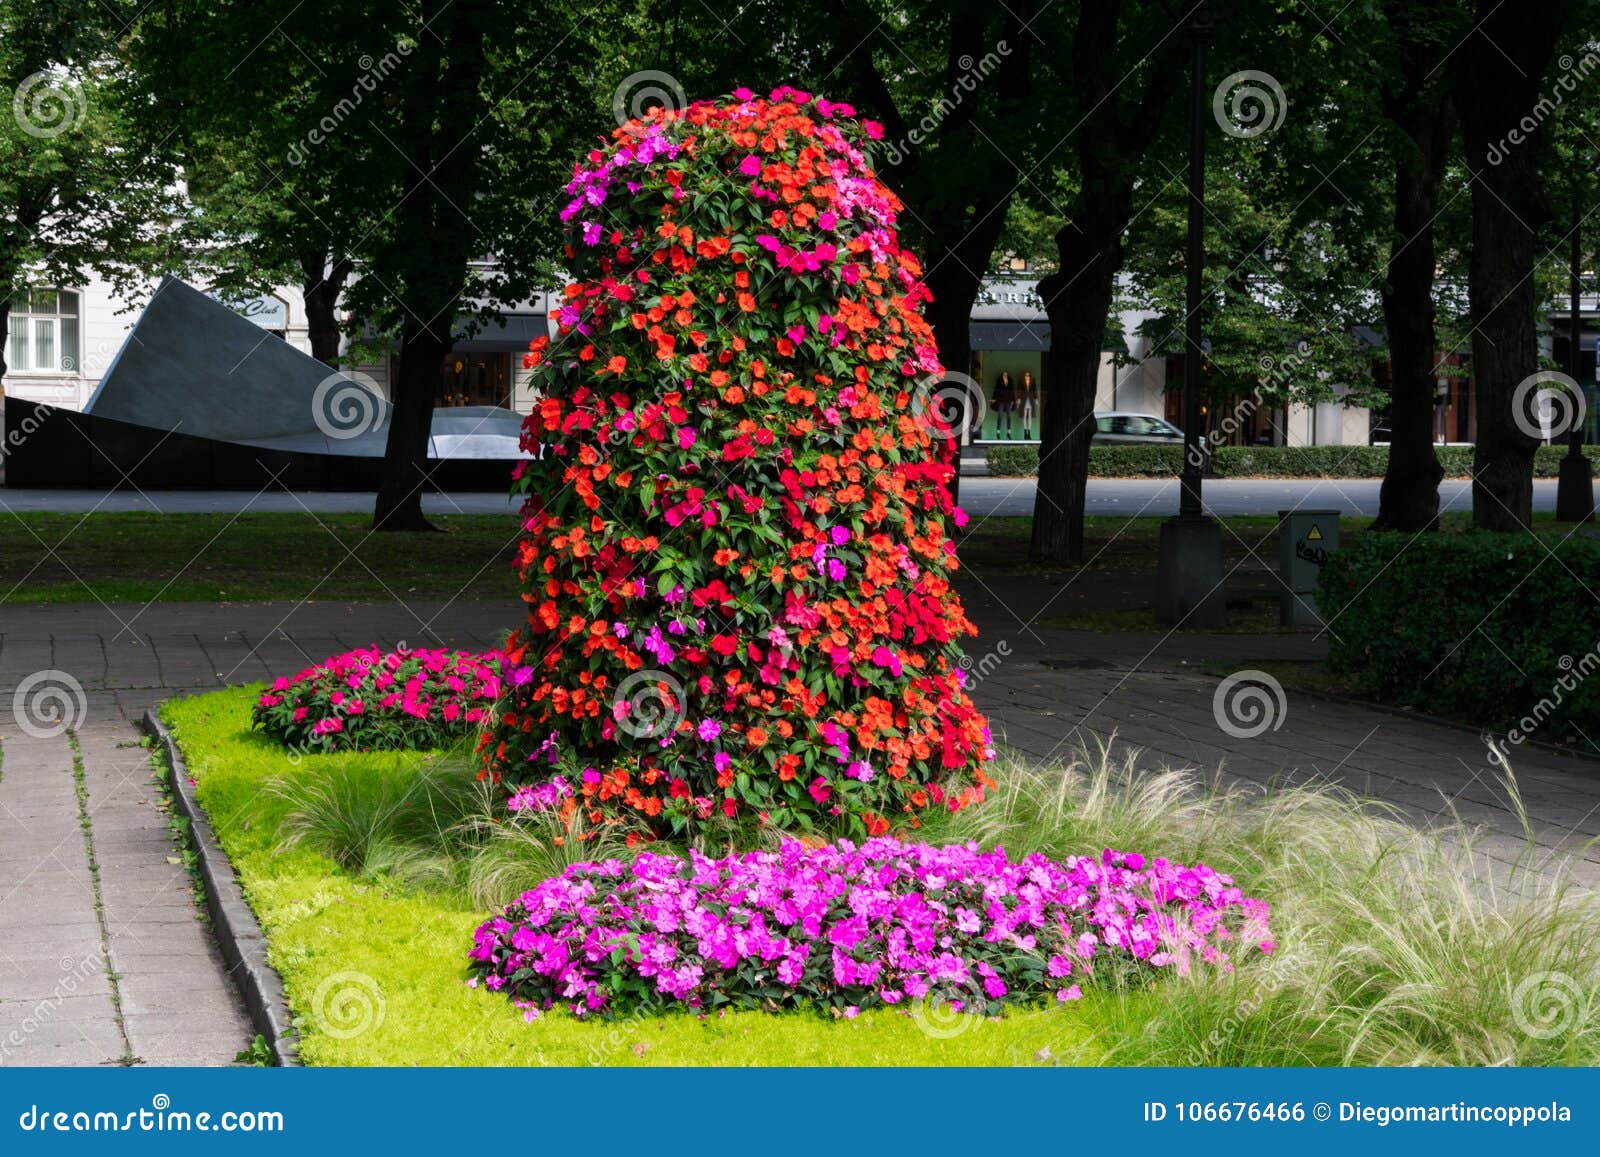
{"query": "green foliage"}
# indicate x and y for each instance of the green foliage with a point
(1499, 629)
(83, 183)
(1396, 947)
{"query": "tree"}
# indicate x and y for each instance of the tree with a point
(1499, 90)
(423, 147)
(1125, 63)
(957, 126)
(81, 186)
(1417, 101)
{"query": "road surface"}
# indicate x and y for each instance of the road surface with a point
(982, 497)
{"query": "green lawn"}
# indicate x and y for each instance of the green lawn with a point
(139, 557)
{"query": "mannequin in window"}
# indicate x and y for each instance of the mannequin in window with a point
(1005, 397)
(1027, 403)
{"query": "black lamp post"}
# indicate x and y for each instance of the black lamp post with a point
(1201, 30)
(1189, 568)
(1575, 488)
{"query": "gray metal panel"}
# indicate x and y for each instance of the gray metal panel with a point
(191, 363)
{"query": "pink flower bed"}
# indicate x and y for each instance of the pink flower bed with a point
(846, 927)
(371, 699)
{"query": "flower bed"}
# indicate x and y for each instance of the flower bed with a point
(846, 927)
(375, 700)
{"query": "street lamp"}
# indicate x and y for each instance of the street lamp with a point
(1575, 488)
(1189, 568)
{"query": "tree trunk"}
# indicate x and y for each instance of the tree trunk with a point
(1078, 301)
(1498, 76)
(5, 338)
(321, 287)
(403, 481)
(1409, 497)
(443, 104)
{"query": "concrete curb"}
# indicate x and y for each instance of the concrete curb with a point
(244, 945)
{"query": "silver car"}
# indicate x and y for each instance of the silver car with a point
(1114, 426)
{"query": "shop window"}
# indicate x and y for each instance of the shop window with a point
(475, 379)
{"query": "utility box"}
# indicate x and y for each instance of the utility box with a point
(1305, 540)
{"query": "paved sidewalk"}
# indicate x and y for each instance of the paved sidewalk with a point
(103, 958)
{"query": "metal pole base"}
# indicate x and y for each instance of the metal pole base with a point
(1189, 574)
(1575, 489)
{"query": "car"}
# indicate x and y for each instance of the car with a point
(1116, 426)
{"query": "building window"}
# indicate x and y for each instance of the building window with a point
(44, 332)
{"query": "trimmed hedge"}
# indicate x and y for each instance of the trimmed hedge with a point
(1493, 629)
(1154, 461)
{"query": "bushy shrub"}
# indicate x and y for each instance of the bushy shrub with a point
(737, 558)
(846, 927)
(375, 700)
(1138, 460)
(1490, 628)
(1012, 461)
